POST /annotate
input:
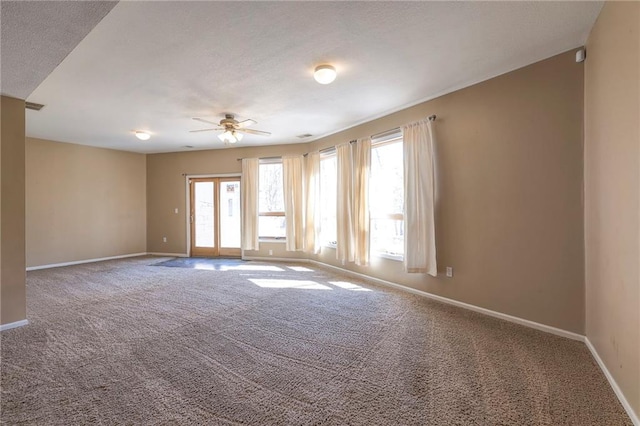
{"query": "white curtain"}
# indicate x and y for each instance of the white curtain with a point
(293, 178)
(312, 203)
(344, 204)
(249, 192)
(361, 169)
(419, 198)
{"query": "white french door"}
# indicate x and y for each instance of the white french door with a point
(215, 216)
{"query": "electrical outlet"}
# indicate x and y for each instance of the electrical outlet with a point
(164, 239)
(175, 210)
(449, 271)
(270, 252)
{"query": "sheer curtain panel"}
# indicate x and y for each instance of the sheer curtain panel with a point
(344, 204)
(312, 203)
(361, 169)
(419, 198)
(293, 177)
(249, 192)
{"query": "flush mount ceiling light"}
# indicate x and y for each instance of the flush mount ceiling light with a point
(325, 74)
(143, 136)
(230, 136)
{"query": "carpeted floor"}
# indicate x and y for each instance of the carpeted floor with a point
(129, 342)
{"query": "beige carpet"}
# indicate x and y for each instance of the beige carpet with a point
(125, 342)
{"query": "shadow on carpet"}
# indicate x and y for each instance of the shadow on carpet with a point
(217, 264)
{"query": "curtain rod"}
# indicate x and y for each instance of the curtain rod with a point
(397, 129)
(264, 158)
(332, 148)
(377, 135)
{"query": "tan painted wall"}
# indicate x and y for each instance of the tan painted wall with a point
(12, 224)
(167, 191)
(510, 216)
(83, 202)
(612, 193)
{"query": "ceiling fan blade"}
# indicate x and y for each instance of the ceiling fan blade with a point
(203, 130)
(205, 121)
(245, 123)
(254, 132)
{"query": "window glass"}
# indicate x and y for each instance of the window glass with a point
(271, 189)
(272, 226)
(328, 188)
(386, 198)
(271, 222)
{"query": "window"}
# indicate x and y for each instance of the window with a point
(386, 195)
(328, 188)
(271, 221)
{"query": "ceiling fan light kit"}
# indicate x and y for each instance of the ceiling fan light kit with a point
(325, 74)
(230, 136)
(232, 129)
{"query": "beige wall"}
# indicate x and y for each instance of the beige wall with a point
(612, 193)
(167, 191)
(12, 206)
(83, 202)
(510, 216)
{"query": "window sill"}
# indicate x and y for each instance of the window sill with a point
(396, 257)
(271, 240)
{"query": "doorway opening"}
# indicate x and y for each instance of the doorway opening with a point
(215, 224)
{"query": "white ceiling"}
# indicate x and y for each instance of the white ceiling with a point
(37, 35)
(155, 65)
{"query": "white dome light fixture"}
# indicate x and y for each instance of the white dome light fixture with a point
(143, 136)
(325, 74)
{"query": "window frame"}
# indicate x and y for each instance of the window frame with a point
(332, 153)
(387, 139)
(267, 238)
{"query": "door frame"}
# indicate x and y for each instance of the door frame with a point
(187, 206)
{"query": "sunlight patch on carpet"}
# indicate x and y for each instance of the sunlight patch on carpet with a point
(349, 286)
(250, 268)
(275, 283)
(300, 269)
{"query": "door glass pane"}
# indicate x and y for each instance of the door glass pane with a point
(230, 214)
(204, 214)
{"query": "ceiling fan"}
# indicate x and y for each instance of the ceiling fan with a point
(232, 129)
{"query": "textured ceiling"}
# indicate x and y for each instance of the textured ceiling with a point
(155, 65)
(37, 35)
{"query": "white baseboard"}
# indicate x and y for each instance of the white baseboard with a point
(276, 259)
(634, 417)
(11, 325)
(495, 314)
(168, 254)
(79, 262)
